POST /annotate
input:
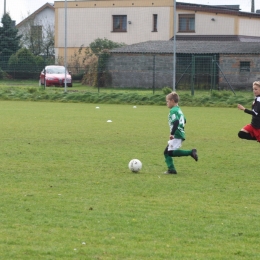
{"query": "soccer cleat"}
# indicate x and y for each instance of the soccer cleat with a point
(170, 172)
(194, 154)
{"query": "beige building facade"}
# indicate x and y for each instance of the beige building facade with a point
(136, 21)
(89, 20)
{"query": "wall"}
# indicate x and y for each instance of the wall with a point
(223, 24)
(230, 65)
(138, 71)
(45, 17)
(249, 26)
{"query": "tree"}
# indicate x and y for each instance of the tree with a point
(48, 41)
(101, 47)
(38, 38)
(9, 40)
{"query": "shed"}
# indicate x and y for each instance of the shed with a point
(205, 64)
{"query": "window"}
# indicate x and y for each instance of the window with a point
(244, 66)
(186, 22)
(119, 23)
(36, 32)
(155, 16)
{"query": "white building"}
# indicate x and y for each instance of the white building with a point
(38, 29)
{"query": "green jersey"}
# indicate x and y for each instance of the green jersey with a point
(176, 114)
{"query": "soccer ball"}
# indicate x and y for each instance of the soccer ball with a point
(135, 165)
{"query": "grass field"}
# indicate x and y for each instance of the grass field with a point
(67, 193)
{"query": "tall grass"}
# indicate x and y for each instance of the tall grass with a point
(67, 193)
(84, 94)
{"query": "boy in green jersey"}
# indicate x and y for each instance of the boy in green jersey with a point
(176, 120)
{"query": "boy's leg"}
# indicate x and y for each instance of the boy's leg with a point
(172, 151)
(245, 135)
(169, 161)
(180, 153)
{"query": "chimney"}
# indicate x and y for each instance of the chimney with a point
(253, 6)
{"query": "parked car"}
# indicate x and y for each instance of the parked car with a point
(54, 75)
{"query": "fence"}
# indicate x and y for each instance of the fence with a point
(131, 45)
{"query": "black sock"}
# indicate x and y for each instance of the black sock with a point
(244, 135)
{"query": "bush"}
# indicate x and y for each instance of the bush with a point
(24, 65)
(32, 90)
(166, 90)
(90, 76)
(40, 63)
(1, 74)
(4, 75)
(78, 76)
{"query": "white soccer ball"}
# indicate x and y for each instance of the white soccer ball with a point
(135, 165)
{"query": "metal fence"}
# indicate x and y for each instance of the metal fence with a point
(191, 46)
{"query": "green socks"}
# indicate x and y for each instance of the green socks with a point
(169, 162)
(180, 153)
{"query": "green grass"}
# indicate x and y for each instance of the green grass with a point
(30, 91)
(67, 193)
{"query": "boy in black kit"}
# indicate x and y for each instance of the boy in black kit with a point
(252, 131)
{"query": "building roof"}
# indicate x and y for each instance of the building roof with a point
(32, 16)
(236, 7)
(191, 47)
(221, 9)
(196, 37)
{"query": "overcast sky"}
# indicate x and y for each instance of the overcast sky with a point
(19, 9)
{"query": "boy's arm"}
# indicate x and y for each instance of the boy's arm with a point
(174, 126)
(250, 112)
(254, 112)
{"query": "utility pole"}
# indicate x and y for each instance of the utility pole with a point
(65, 47)
(253, 6)
(4, 6)
(174, 44)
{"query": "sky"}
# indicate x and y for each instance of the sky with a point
(19, 9)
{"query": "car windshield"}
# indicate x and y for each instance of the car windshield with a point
(56, 70)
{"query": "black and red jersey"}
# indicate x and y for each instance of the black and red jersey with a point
(255, 112)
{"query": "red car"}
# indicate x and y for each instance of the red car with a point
(55, 76)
